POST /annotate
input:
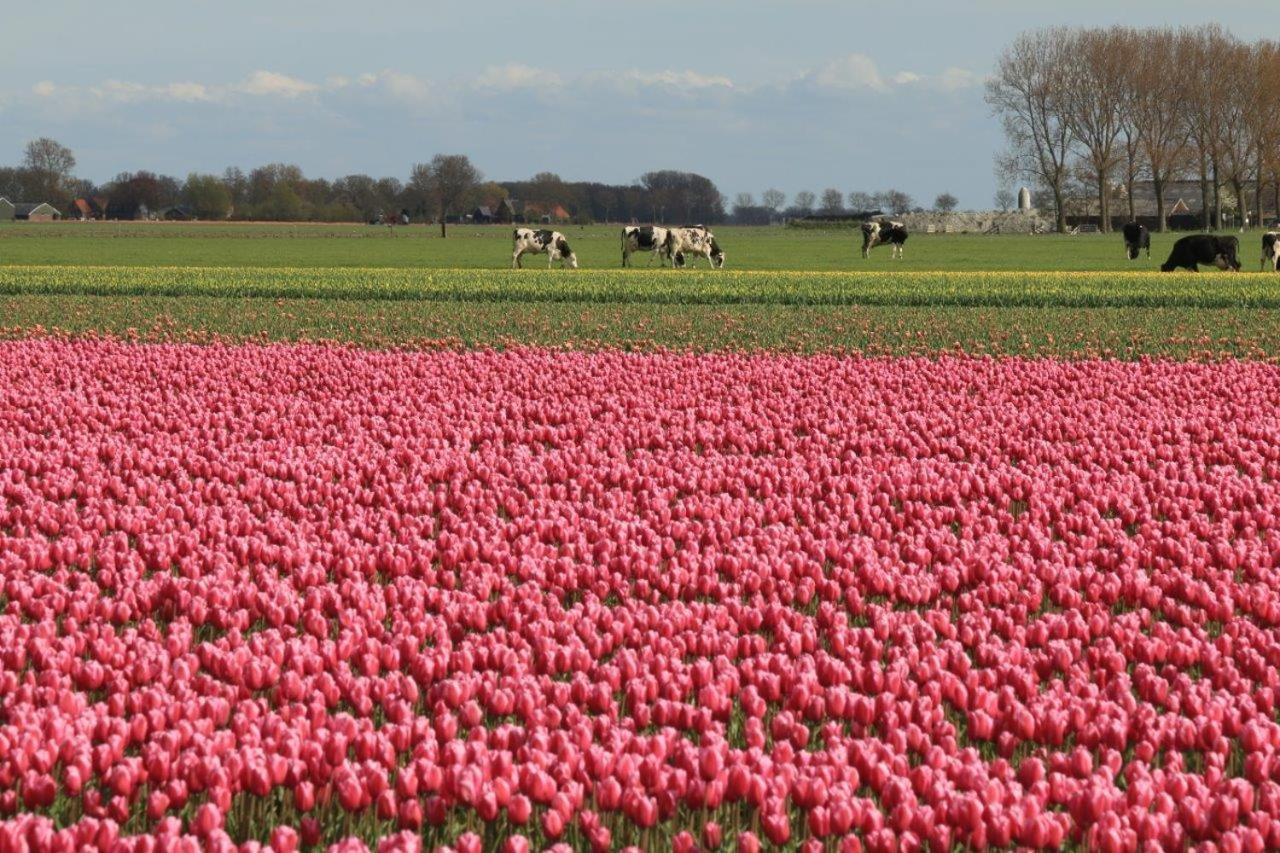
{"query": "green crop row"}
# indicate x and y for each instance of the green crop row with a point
(661, 287)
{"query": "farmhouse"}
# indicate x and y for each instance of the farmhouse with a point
(36, 212)
(88, 208)
(547, 214)
(129, 210)
(1183, 205)
(176, 213)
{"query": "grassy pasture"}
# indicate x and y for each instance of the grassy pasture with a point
(784, 289)
(597, 247)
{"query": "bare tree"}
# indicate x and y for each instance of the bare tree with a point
(1264, 122)
(445, 183)
(832, 201)
(1095, 68)
(1131, 161)
(945, 203)
(804, 201)
(1026, 92)
(1237, 163)
(744, 200)
(1004, 199)
(1153, 113)
(1199, 52)
(773, 199)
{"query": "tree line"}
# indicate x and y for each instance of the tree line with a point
(446, 188)
(1105, 109)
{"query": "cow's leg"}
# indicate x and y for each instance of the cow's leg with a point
(515, 259)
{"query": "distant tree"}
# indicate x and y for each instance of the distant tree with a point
(804, 201)
(744, 200)
(832, 201)
(237, 186)
(862, 201)
(945, 203)
(282, 205)
(1004, 199)
(446, 184)
(262, 182)
(359, 193)
(207, 196)
(50, 165)
(686, 195)
(773, 199)
(15, 183)
(139, 188)
(491, 194)
(546, 189)
(896, 201)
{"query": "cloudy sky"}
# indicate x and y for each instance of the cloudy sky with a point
(797, 95)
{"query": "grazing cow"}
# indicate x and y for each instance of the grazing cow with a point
(1208, 249)
(644, 238)
(693, 240)
(887, 231)
(552, 243)
(1136, 238)
(1270, 250)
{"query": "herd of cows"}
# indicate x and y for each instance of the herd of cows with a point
(675, 246)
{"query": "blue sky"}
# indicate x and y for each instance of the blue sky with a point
(799, 95)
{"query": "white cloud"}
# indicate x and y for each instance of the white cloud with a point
(855, 71)
(957, 78)
(405, 87)
(858, 71)
(120, 91)
(45, 89)
(271, 83)
(507, 78)
(635, 82)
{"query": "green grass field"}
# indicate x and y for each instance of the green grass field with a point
(597, 246)
(784, 289)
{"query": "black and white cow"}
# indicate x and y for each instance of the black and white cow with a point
(551, 243)
(1271, 250)
(887, 231)
(693, 240)
(1136, 238)
(1208, 249)
(644, 238)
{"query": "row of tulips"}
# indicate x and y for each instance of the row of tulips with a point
(1001, 289)
(302, 595)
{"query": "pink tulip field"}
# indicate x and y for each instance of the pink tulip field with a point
(317, 596)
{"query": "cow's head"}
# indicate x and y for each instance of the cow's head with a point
(717, 254)
(1228, 252)
(566, 254)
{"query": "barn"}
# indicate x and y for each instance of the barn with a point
(36, 212)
